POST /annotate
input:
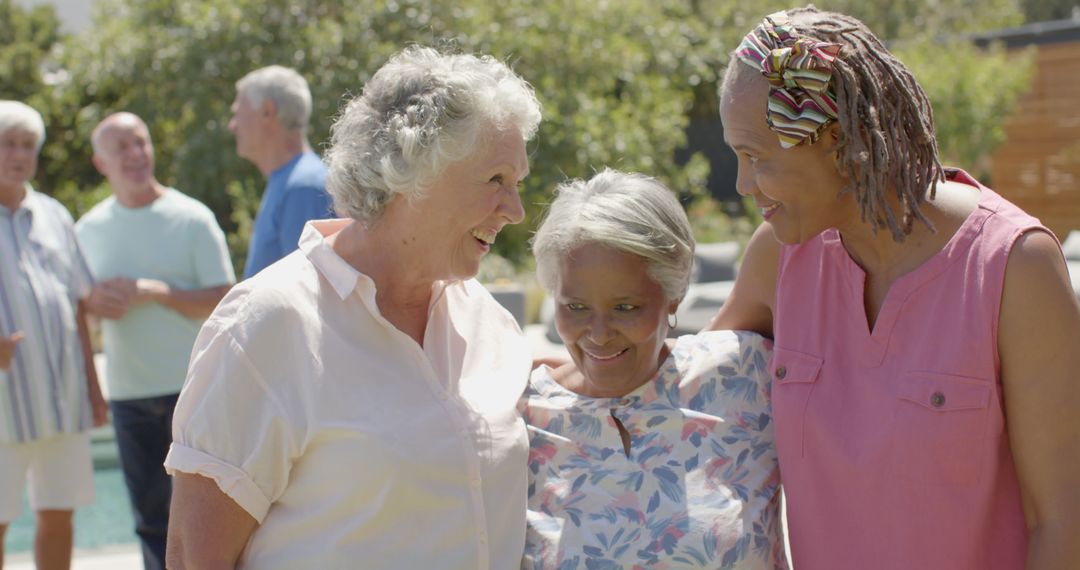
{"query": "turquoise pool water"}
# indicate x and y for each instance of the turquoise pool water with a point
(107, 521)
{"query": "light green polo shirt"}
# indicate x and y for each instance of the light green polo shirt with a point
(175, 239)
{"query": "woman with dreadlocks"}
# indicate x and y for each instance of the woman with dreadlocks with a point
(927, 340)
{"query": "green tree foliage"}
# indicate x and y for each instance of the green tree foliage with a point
(619, 79)
(612, 79)
(972, 90)
(1044, 10)
(26, 36)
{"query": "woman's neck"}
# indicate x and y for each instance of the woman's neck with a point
(402, 289)
(877, 253)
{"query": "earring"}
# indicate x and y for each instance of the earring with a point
(673, 324)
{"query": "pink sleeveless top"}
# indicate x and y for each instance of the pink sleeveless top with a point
(892, 444)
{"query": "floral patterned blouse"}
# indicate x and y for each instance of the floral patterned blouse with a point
(699, 487)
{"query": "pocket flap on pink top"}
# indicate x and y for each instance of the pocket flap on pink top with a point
(944, 393)
(793, 366)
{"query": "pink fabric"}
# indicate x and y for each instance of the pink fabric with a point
(892, 443)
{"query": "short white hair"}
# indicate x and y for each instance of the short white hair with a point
(625, 212)
(285, 88)
(420, 112)
(17, 115)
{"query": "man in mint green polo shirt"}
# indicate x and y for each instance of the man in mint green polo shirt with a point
(162, 265)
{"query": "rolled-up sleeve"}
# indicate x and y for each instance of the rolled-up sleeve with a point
(229, 425)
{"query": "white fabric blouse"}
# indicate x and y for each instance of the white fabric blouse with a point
(349, 443)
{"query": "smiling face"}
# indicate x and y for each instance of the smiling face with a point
(18, 158)
(612, 317)
(796, 189)
(460, 215)
(125, 155)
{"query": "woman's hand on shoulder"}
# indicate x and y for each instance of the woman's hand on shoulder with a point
(750, 304)
(1039, 345)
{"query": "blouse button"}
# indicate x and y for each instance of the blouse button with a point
(781, 372)
(937, 399)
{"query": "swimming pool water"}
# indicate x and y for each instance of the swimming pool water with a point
(107, 521)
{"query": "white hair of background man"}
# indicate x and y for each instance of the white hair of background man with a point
(287, 89)
(17, 115)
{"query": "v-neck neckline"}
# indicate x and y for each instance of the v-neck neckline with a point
(875, 341)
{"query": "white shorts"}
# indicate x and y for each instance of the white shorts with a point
(60, 470)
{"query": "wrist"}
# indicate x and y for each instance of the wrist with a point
(153, 290)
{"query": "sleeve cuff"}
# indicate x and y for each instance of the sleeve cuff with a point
(232, 481)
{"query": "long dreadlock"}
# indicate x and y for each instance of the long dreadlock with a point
(886, 123)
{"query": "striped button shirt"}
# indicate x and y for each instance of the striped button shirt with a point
(42, 276)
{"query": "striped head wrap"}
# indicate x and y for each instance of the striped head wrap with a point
(801, 103)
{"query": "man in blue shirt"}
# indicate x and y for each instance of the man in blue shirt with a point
(270, 119)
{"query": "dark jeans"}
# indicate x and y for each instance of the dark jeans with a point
(143, 434)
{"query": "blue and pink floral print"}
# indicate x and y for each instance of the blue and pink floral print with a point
(698, 487)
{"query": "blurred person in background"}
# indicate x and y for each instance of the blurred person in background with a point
(269, 120)
(926, 334)
(355, 404)
(162, 266)
(49, 393)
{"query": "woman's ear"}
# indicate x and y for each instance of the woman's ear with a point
(831, 140)
(832, 134)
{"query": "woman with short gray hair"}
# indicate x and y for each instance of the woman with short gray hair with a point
(645, 452)
(420, 112)
(355, 403)
(623, 211)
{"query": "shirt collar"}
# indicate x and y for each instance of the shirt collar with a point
(343, 277)
(30, 205)
(284, 169)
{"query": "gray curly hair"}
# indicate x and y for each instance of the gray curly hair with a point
(420, 112)
(626, 212)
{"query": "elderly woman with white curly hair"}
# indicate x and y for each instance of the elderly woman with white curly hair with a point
(354, 404)
(645, 452)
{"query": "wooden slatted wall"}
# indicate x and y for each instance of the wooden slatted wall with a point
(1038, 167)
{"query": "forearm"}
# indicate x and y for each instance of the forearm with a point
(192, 303)
(207, 530)
(92, 385)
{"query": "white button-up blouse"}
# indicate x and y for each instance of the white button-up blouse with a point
(349, 443)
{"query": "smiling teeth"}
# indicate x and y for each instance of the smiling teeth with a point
(598, 357)
(486, 236)
(768, 209)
